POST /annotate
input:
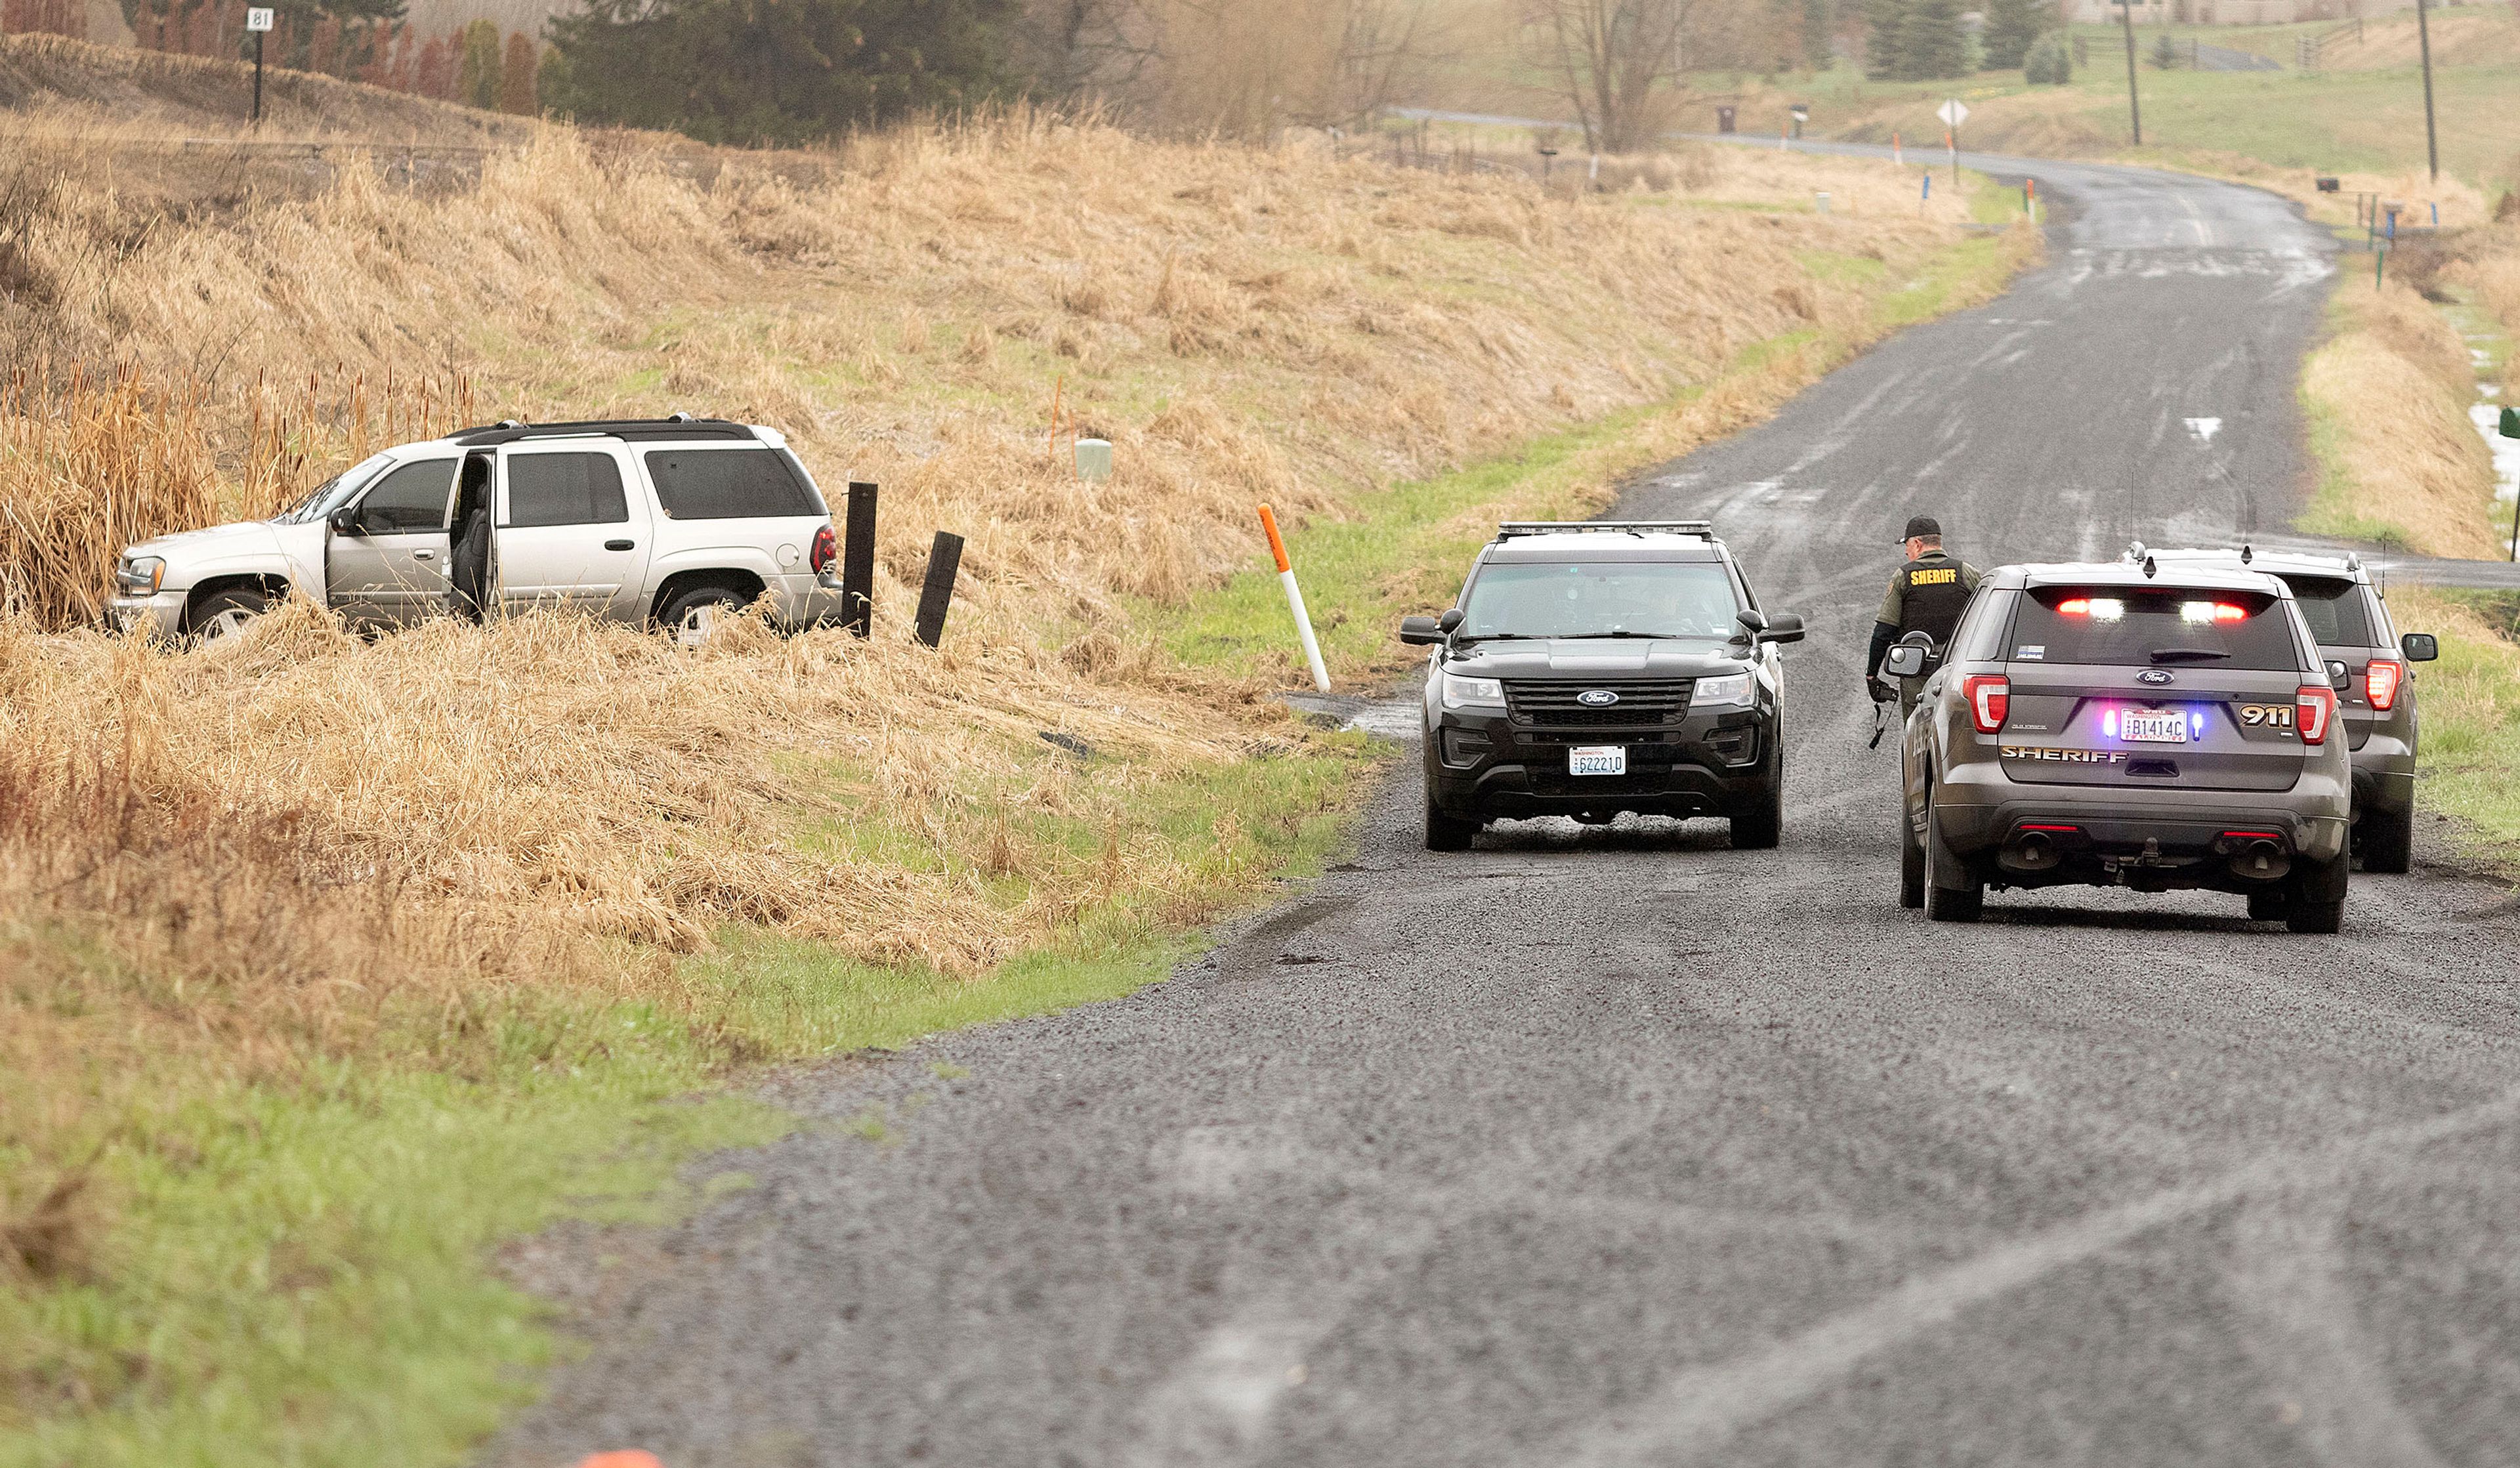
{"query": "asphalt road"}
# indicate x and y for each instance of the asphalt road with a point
(1595, 1147)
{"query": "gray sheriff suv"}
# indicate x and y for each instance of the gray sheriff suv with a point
(668, 522)
(2152, 726)
(1596, 667)
(2376, 701)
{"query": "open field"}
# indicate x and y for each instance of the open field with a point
(325, 964)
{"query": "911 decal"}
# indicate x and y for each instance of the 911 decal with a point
(2265, 715)
(2064, 756)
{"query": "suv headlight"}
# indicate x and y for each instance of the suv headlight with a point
(141, 575)
(1715, 692)
(1472, 693)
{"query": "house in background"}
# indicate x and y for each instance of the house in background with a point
(2232, 11)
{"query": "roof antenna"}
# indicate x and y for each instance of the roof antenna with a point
(678, 416)
(509, 423)
(2248, 553)
(2149, 569)
(2133, 550)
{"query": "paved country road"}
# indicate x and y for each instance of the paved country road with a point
(1598, 1148)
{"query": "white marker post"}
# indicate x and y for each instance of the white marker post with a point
(258, 20)
(1295, 600)
(1954, 112)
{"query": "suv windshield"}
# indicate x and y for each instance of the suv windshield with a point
(1602, 598)
(2167, 626)
(333, 493)
(2334, 610)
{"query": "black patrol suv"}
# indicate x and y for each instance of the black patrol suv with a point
(2375, 702)
(1598, 667)
(2151, 724)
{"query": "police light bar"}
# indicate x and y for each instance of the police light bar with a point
(1703, 529)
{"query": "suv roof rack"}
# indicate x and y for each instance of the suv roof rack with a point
(1703, 529)
(680, 426)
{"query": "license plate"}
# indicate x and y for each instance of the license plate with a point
(2154, 729)
(1597, 759)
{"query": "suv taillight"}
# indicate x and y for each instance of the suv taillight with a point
(827, 547)
(2314, 706)
(2382, 682)
(1990, 699)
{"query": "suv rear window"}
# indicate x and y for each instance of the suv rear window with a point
(2137, 626)
(728, 484)
(2336, 611)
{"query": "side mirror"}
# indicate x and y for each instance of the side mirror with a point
(1420, 632)
(2419, 646)
(1784, 626)
(1904, 660)
(344, 522)
(1754, 620)
(1451, 620)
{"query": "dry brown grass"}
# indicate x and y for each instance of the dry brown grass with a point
(2396, 381)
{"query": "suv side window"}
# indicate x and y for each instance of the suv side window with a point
(1979, 639)
(726, 484)
(564, 489)
(410, 501)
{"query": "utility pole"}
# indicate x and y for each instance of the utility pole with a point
(2134, 110)
(2424, 38)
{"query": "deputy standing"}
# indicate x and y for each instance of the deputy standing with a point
(1927, 595)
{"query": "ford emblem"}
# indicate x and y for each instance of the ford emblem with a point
(2154, 676)
(1597, 697)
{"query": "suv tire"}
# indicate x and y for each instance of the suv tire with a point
(1447, 832)
(694, 615)
(1943, 902)
(1761, 824)
(2387, 839)
(223, 614)
(2317, 896)
(1912, 863)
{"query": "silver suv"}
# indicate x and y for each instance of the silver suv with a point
(2147, 725)
(668, 522)
(2376, 699)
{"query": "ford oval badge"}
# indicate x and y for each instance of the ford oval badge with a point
(2154, 676)
(1597, 697)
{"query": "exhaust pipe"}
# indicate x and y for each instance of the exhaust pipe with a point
(2260, 860)
(2032, 851)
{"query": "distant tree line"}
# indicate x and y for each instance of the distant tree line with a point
(1929, 40)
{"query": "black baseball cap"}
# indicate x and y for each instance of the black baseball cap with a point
(1923, 526)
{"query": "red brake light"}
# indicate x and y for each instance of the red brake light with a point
(2224, 611)
(1990, 699)
(2314, 706)
(827, 547)
(2074, 606)
(2383, 679)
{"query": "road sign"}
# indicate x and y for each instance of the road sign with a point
(257, 17)
(1953, 112)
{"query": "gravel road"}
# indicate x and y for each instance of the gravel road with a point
(1594, 1147)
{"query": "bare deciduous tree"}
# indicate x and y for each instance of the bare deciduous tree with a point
(1608, 57)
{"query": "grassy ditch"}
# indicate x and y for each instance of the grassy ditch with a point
(2472, 710)
(325, 964)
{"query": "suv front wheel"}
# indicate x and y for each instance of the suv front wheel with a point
(224, 614)
(1447, 832)
(1759, 824)
(2387, 840)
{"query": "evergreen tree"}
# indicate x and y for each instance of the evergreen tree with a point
(1883, 21)
(2051, 62)
(1932, 43)
(2013, 27)
(476, 74)
(776, 72)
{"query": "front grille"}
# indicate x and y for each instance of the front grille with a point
(1642, 702)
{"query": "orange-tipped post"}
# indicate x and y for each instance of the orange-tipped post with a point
(1295, 600)
(633, 1457)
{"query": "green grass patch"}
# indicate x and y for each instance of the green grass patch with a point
(2471, 717)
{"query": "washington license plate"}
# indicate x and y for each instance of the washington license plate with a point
(1597, 759)
(2155, 728)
